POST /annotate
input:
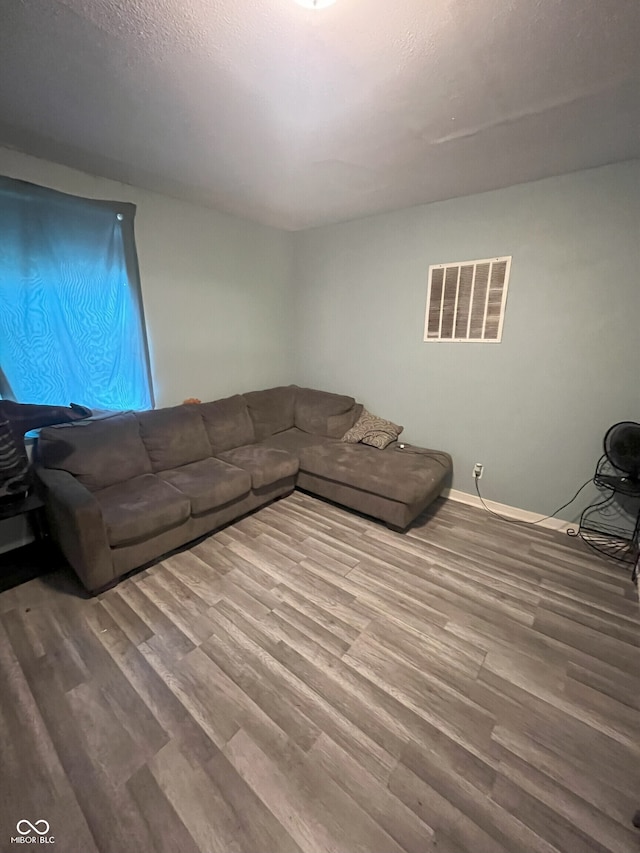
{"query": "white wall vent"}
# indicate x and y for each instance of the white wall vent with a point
(466, 301)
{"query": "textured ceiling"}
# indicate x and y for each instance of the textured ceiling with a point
(296, 117)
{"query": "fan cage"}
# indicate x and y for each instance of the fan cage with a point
(622, 448)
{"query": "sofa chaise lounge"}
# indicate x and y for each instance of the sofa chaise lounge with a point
(122, 490)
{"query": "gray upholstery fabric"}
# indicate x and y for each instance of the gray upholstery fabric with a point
(174, 437)
(322, 413)
(293, 439)
(337, 425)
(143, 506)
(228, 423)
(397, 476)
(76, 524)
(98, 453)
(376, 506)
(394, 513)
(129, 557)
(209, 483)
(271, 410)
(266, 465)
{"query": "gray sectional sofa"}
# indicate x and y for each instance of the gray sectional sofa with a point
(124, 489)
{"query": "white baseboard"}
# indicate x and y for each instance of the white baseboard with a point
(508, 511)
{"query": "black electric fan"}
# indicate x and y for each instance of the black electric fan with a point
(622, 449)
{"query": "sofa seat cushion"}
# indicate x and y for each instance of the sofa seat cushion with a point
(174, 436)
(209, 483)
(394, 474)
(140, 508)
(266, 465)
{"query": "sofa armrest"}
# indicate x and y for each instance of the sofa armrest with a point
(77, 526)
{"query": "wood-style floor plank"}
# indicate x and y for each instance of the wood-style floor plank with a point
(307, 680)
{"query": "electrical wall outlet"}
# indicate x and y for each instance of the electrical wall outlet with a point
(478, 468)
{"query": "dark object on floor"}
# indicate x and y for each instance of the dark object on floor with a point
(23, 417)
(15, 473)
(30, 561)
(32, 504)
(15, 420)
(636, 819)
(611, 523)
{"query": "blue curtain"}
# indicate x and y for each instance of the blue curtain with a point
(71, 318)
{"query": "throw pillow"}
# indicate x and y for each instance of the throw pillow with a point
(379, 439)
(370, 426)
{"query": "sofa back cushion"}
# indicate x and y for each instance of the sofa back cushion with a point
(174, 437)
(98, 453)
(272, 410)
(228, 423)
(322, 413)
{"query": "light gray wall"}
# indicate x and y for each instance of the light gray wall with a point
(534, 408)
(216, 289)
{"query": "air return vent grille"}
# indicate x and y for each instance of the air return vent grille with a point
(466, 301)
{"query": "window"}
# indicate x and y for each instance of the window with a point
(466, 301)
(71, 316)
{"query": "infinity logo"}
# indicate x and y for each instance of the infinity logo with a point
(31, 827)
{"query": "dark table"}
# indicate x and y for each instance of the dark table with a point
(32, 506)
